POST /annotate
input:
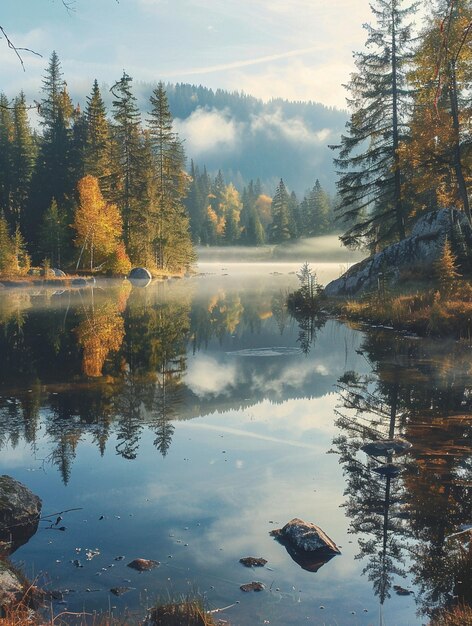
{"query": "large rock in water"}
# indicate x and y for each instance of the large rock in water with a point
(19, 514)
(139, 273)
(307, 544)
(421, 249)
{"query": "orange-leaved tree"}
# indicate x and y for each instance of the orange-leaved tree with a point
(98, 224)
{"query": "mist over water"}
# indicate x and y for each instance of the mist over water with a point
(328, 259)
(313, 249)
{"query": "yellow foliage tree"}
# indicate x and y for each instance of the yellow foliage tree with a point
(100, 333)
(435, 155)
(98, 225)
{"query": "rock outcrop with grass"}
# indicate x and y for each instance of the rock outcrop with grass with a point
(419, 251)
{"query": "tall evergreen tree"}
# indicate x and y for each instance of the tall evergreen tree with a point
(279, 228)
(54, 235)
(320, 211)
(6, 132)
(368, 160)
(23, 153)
(127, 156)
(53, 175)
(97, 147)
(171, 186)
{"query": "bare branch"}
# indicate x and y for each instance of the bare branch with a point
(17, 49)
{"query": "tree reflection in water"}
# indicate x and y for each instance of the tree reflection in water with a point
(404, 524)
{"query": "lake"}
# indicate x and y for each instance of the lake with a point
(184, 421)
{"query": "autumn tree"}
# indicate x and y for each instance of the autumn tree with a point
(98, 224)
(446, 269)
(437, 152)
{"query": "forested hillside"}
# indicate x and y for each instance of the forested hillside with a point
(247, 138)
(106, 186)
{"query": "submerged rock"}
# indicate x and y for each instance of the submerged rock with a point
(119, 591)
(401, 591)
(143, 565)
(253, 561)
(306, 543)
(386, 447)
(19, 514)
(420, 250)
(254, 586)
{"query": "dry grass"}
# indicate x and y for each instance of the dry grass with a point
(458, 616)
(426, 312)
(184, 613)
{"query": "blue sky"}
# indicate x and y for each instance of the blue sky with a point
(295, 49)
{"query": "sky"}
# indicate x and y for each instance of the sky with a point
(293, 49)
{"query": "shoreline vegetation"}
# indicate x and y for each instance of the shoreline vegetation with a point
(435, 303)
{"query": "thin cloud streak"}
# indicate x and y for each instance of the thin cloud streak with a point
(237, 64)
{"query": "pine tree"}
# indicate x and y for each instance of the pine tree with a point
(369, 160)
(54, 235)
(171, 237)
(7, 251)
(127, 153)
(279, 228)
(23, 153)
(320, 211)
(6, 133)
(97, 148)
(53, 175)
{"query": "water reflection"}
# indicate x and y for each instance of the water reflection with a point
(114, 361)
(407, 518)
(103, 368)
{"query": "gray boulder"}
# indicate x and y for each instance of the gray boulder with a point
(305, 536)
(307, 544)
(139, 273)
(420, 250)
(19, 514)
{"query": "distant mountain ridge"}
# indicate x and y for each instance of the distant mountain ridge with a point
(248, 138)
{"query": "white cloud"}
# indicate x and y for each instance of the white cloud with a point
(207, 376)
(207, 131)
(294, 129)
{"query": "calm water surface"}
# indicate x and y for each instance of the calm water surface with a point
(185, 421)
